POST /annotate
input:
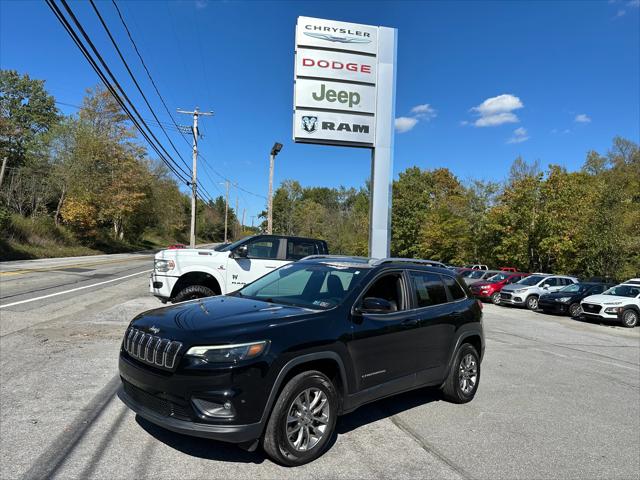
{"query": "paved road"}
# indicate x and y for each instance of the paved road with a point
(558, 399)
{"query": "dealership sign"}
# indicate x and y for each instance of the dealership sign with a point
(345, 76)
(336, 77)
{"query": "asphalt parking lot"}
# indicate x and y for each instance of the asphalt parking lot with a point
(558, 398)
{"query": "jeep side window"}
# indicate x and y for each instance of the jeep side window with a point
(597, 289)
(454, 288)
(429, 289)
(551, 282)
(390, 288)
(297, 249)
(263, 248)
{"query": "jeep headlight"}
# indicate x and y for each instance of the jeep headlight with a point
(164, 265)
(229, 353)
(563, 299)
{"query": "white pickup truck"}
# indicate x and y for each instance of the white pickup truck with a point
(185, 274)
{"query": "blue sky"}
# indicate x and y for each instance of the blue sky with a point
(479, 82)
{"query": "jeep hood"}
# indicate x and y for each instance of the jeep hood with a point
(217, 319)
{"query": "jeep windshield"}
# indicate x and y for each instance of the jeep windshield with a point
(623, 291)
(532, 280)
(319, 286)
(574, 288)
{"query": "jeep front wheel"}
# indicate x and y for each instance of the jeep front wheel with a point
(303, 420)
(192, 292)
(495, 298)
(629, 318)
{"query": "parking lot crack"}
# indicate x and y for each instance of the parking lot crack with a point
(430, 449)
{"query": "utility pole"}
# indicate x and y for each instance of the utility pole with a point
(252, 217)
(274, 151)
(226, 211)
(194, 178)
(4, 164)
(243, 212)
(235, 225)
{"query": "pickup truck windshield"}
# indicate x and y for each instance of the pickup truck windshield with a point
(317, 286)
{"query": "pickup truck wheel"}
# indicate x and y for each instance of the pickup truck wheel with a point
(192, 292)
(629, 318)
(495, 298)
(302, 421)
(532, 302)
(462, 382)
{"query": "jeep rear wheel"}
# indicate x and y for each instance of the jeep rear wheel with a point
(629, 318)
(462, 382)
(192, 292)
(303, 420)
(532, 302)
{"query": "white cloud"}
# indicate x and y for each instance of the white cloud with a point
(620, 13)
(497, 110)
(582, 118)
(425, 111)
(633, 3)
(404, 124)
(200, 4)
(519, 135)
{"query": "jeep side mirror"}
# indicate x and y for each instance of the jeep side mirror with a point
(241, 251)
(375, 305)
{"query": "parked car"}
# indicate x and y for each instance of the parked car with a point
(185, 274)
(527, 291)
(621, 303)
(276, 362)
(490, 288)
(567, 299)
(508, 269)
(479, 276)
(175, 246)
(477, 266)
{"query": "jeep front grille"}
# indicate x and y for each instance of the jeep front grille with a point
(147, 348)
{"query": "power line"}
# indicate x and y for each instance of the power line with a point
(135, 47)
(126, 65)
(74, 36)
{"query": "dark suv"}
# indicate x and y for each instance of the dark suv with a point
(277, 361)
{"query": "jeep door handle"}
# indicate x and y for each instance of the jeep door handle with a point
(411, 322)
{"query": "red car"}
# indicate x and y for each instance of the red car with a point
(490, 289)
(176, 246)
(509, 269)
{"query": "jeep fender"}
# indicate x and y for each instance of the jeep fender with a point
(464, 332)
(309, 357)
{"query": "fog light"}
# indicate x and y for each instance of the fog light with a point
(214, 409)
(517, 299)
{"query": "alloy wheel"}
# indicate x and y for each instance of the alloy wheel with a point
(630, 318)
(575, 310)
(468, 373)
(307, 419)
(495, 298)
(532, 303)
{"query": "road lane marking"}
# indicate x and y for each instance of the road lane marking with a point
(73, 289)
(24, 271)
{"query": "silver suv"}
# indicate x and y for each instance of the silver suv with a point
(527, 291)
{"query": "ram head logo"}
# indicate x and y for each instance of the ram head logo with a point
(309, 124)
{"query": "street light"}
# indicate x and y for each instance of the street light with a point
(275, 150)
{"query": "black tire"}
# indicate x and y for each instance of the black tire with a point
(532, 302)
(575, 310)
(192, 292)
(495, 298)
(452, 389)
(275, 442)
(629, 318)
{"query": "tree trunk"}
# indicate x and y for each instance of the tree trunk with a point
(56, 217)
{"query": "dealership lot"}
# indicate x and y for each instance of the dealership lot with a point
(558, 398)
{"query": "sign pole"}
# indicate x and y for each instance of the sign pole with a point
(382, 152)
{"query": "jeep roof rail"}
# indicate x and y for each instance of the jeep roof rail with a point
(408, 260)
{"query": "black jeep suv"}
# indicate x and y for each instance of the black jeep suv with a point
(277, 361)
